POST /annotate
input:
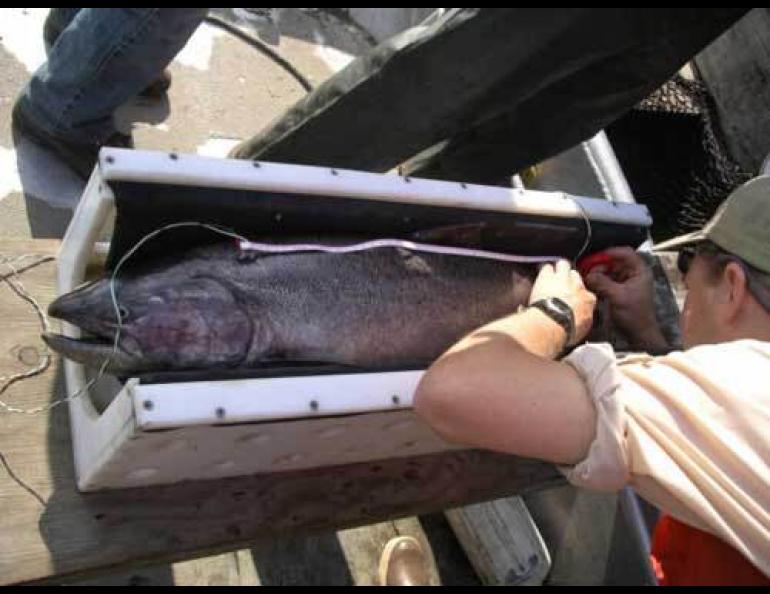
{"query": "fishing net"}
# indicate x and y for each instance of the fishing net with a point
(675, 161)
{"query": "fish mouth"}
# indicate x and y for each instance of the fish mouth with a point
(96, 348)
(92, 352)
(76, 309)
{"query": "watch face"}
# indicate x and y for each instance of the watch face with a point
(560, 306)
(559, 312)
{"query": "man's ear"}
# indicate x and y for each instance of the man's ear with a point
(734, 290)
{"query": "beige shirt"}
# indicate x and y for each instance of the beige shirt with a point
(690, 432)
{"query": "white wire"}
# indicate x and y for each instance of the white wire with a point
(589, 231)
(18, 288)
(392, 243)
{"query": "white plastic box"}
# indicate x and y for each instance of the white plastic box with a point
(166, 433)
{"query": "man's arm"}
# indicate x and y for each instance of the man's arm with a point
(500, 389)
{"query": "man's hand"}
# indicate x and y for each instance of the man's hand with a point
(561, 281)
(628, 286)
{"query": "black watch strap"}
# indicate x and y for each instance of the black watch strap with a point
(559, 312)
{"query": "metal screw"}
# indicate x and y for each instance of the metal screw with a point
(408, 180)
(396, 400)
(335, 172)
(220, 413)
(173, 156)
(314, 405)
(110, 159)
(464, 186)
(148, 405)
(256, 164)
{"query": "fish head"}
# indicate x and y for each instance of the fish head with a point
(154, 322)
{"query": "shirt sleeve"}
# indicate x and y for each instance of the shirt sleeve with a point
(606, 467)
(689, 432)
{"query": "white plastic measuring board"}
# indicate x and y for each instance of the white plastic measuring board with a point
(169, 406)
(165, 433)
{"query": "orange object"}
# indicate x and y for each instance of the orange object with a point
(686, 556)
(585, 265)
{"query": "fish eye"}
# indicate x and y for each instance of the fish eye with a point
(123, 311)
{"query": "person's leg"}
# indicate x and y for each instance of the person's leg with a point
(58, 19)
(104, 57)
(101, 59)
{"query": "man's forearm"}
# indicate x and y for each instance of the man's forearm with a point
(531, 330)
(499, 388)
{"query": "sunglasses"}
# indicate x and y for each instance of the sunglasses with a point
(684, 259)
(687, 255)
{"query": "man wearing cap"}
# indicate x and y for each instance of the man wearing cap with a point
(689, 431)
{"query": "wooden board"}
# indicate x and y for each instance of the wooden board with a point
(347, 557)
(48, 529)
(502, 542)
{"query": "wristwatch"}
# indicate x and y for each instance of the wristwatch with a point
(559, 312)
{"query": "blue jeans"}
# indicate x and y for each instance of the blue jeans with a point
(103, 57)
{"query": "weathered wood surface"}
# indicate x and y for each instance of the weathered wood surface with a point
(48, 529)
(347, 557)
(502, 542)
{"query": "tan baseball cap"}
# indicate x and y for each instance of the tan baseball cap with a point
(741, 226)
